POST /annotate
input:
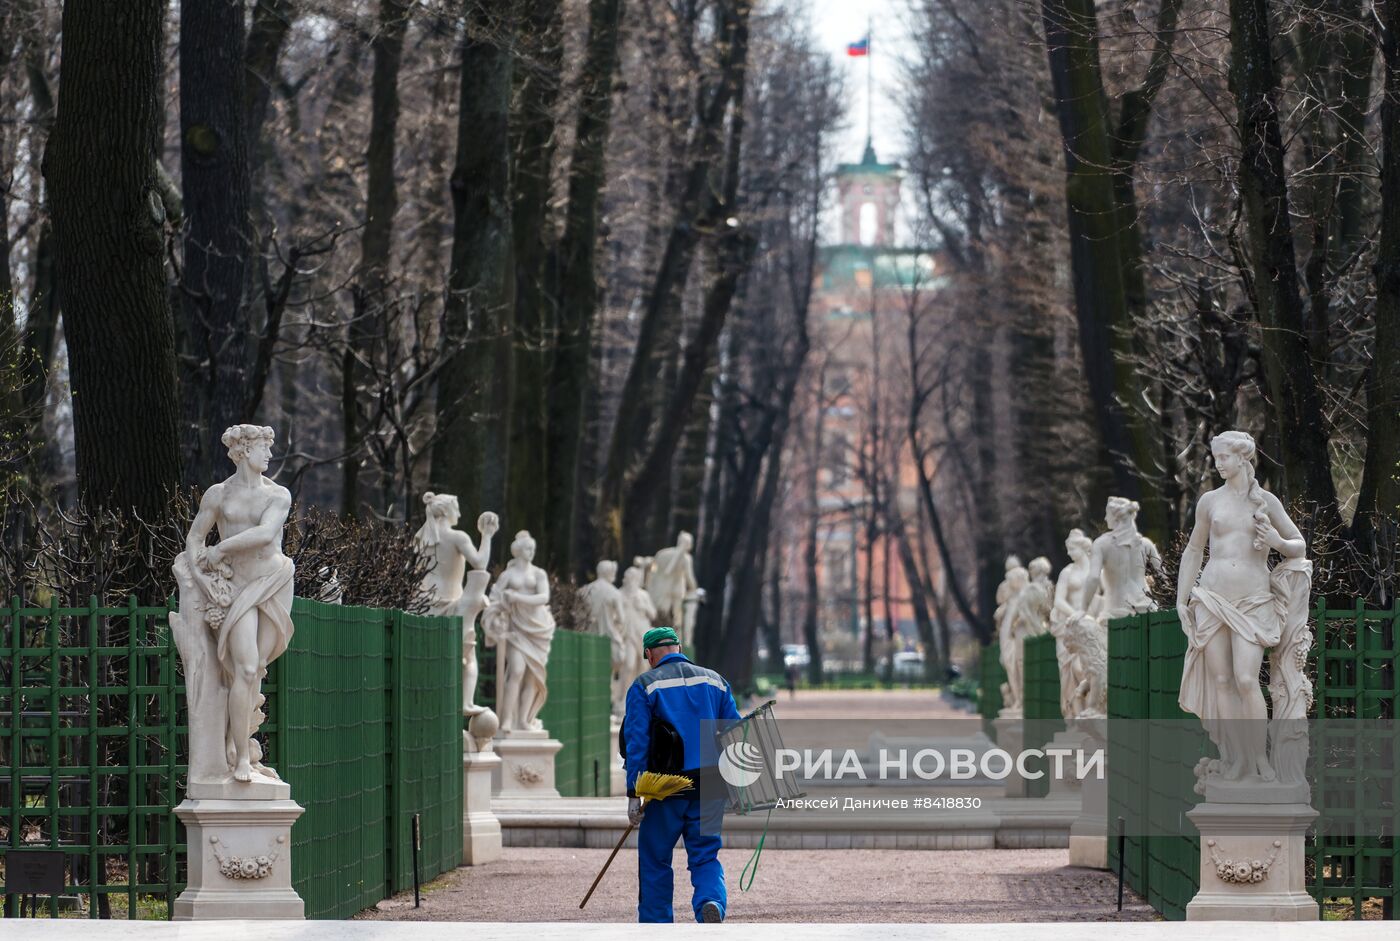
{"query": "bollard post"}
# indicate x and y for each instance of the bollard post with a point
(1122, 846)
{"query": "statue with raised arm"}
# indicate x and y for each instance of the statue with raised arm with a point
(1120, 560)
(1238, 609)
(235, 612)
(672, 581)
(519, 624)
(451, 551)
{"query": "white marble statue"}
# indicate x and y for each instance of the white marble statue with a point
(1005, 590)
(1008, 649)
(235, 611)
(1121, 560)
(672, 583)
(1237, 610)
(452, 551)
(519, 624)
(641, 613)
(607, 616)
(1073, 602)
(1026, 614)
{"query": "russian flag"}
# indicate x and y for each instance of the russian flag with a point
(858, 49)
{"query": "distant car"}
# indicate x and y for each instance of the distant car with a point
(908, 665)
(796, 655)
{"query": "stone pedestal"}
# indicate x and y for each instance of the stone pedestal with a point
(527, 764)
(481, 831)
(1011, 736)
(617, 778)
(1252, 854)
(240, 855)
(1088, 835)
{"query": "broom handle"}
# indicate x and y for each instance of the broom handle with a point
(603, 871)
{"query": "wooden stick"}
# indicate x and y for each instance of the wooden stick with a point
(604, 870)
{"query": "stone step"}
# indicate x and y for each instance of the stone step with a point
(599, 822)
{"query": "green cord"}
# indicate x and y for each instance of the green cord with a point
(744, 874)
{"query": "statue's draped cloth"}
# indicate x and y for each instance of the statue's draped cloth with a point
(271, 595)
(527, 628)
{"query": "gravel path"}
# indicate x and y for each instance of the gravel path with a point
(535, 884)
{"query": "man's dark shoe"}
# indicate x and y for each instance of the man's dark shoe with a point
(711, 913)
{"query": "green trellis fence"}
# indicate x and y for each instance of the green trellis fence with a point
(92, 750)
(1353, 854)
(1041, 705)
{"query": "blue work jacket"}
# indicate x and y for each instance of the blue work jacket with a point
(696, 702)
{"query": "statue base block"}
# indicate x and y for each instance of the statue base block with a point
(1011, 736)
(617, 779)
(240, 860)
(1088, 835)
(1252, 862)
(1068, 784)
(481, 831)
(527, 764)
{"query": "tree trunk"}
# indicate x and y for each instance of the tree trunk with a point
(630, 430)
(1104, 257)
(107, 213)
(578, 277)
(214, 177)
(368, 324)
(811, 618)
(537, 78)
(271, 24)
(1380, 488)
(1288, 373)
(471, 453)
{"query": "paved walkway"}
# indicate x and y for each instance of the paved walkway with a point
(546, 884)
(43, 930)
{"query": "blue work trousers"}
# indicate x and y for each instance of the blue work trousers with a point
(663, 823)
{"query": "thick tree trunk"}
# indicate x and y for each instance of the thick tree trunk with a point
(271, 24)
(537, 76)
(578, 276)
(108, 216)
(1380, 488)
(1288, 373)
(1106, 271)
(368, 324)
(471, 454)
(217, 239)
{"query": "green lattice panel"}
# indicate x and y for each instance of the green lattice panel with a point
(1356, 781)
(327, 697)
(90, 759)
(1127, 747)
(1043, 718)
(426, 745)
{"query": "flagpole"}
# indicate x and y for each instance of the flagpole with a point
(869, 82)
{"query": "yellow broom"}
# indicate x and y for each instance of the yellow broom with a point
(650, 787)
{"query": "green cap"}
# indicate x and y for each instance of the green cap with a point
(660, 637)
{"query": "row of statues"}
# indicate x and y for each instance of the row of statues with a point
(515, 615)
(1233, 610)
(235, 597)
(1106, 578)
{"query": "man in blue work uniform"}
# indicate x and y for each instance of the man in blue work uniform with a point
(672, 711)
